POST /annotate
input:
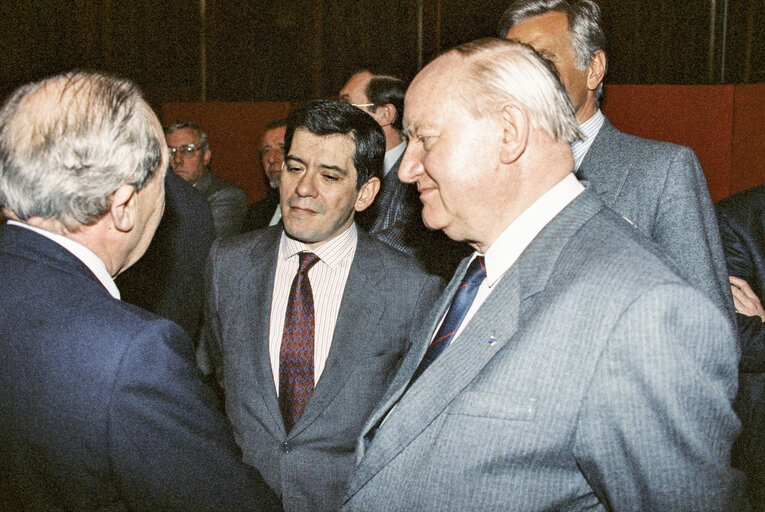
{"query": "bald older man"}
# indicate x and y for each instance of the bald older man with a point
(567, 366)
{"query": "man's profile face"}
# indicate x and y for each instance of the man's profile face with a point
(450, 155)
(272, 154)
(355, 91)
(549, 35)
(188, 166)
(318, 193)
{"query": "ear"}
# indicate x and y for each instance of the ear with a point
(596, 71)
(123, 208)
(367, 193)
(515, 133)
(207, 156)
(385, 114)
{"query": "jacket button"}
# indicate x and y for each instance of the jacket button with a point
(285, 447)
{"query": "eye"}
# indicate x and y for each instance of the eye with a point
(330, 177)
(293, 168)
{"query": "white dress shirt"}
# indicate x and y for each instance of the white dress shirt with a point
(517, 236)
(82, 253)
(590, 129)
(327, 277)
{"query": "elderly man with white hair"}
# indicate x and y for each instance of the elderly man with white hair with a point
(101, 406)
(567, 366)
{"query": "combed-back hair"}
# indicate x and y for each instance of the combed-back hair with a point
(330, 117)
(276, 123)
(583, 25)
(69, 141)
(382, 90)
(176, 125)
(500, 71)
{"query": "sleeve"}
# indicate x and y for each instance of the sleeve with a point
(229, 208)
(687, 227)
(171, 448)
(656, 424)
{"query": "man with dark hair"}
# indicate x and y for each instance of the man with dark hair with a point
(267, 212)
(101, 407)
(307, 321)
(658, 186)
(395, 218)
(190, 156)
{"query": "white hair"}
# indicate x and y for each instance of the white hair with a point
(500, 71)
(69, 141)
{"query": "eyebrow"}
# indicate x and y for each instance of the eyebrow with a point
(321, 166)
(411, 129)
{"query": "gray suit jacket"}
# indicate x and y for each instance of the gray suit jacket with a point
(593, 377)
(660, 187)
(385, 297)
(228, 203)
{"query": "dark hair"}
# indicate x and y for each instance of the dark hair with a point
(387, 89)
(329, 117)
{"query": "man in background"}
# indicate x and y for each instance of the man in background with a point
(190, 156)
(657, 186)
(101, 407)
(267, 212)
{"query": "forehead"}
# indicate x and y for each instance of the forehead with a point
(335, 150)
(548, 31)
(356, 86)
(274, 136)
(432, 95)
(182, 136)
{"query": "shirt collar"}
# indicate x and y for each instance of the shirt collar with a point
(590, 129)
(82, 253)
(392, 156)
(331, 253)
(517, 236)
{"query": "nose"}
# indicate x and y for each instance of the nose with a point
(275, 156)
(411, 164)
(306, 185)
(177, 158)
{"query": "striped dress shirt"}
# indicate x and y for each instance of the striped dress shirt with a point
(590, 129)
(327, 277)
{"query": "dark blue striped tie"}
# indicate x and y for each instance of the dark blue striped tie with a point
(461, 303)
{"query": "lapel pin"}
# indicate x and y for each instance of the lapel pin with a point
(492, 340)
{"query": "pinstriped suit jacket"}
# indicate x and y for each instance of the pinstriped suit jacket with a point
(608, 387)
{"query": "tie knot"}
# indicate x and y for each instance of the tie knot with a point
(307, 260)
(476, 272)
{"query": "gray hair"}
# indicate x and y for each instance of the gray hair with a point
(583, 25)
(204, 142)
(69, 141)
(500, 71)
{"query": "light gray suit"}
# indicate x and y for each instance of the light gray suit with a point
(386, 296)
(661, 188)
(593, 377)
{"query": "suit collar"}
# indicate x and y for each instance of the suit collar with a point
(602, 169)
(488, 332)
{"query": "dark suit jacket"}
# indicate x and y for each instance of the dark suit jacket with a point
(169, 279)
(228, 203)
(742, 226)
(259, 215)
(592, 378)
(100, 404)
(661, 189)
(386, 296)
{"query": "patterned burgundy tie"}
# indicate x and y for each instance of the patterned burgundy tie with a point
(296, 353)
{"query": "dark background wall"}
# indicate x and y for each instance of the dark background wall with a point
(291, 50)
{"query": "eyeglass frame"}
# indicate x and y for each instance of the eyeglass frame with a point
(186, 150)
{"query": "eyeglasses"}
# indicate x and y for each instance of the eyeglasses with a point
(359, 105)
(186, 150)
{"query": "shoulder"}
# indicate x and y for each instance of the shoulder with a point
(224, 188)
(746, 203)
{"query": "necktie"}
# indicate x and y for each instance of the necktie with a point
(461, 303)
(296, 353)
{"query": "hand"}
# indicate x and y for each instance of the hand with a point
(744, 299)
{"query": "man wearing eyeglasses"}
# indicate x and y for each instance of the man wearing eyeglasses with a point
(190, 157)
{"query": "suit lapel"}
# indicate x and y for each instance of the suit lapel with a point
(601, 169)
(260, 289)
(489, 331)
(362, 307)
